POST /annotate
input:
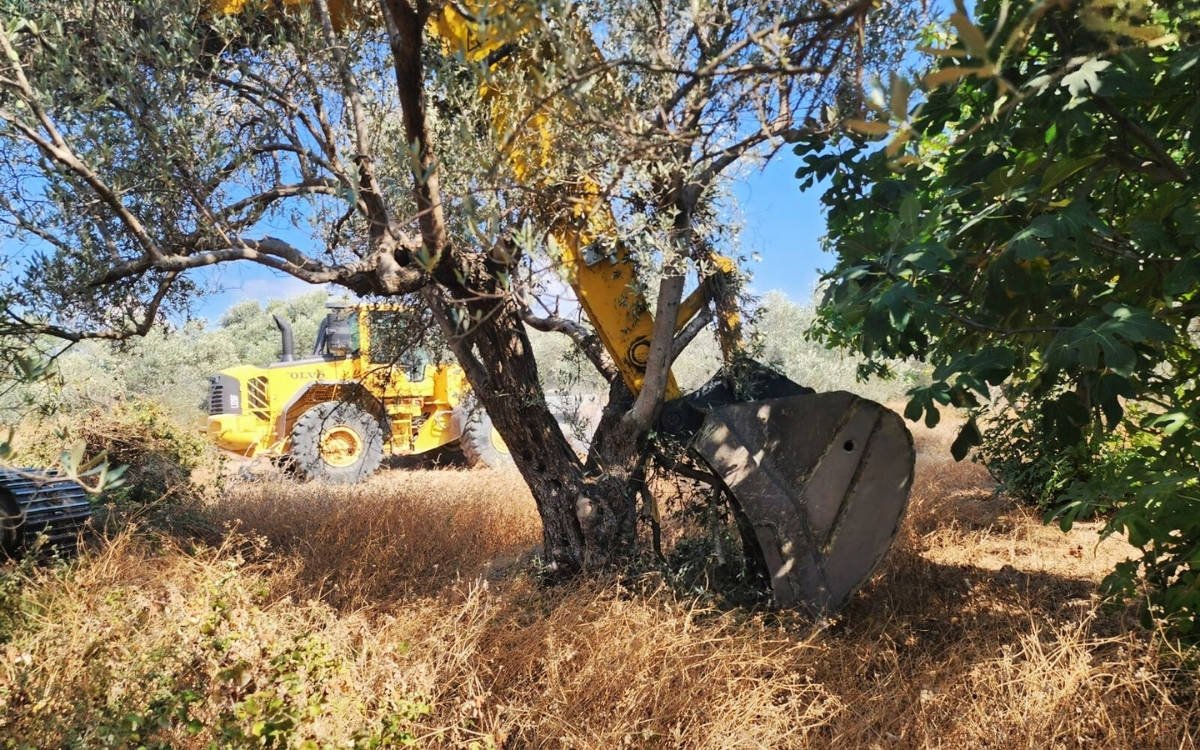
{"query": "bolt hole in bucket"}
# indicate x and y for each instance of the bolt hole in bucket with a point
(848, 446)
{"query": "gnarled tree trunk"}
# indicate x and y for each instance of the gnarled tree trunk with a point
(588, 515)
(588, 518)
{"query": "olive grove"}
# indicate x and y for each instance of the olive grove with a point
(142, 143)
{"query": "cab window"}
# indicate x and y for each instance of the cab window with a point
(388, 337)
(340, 334)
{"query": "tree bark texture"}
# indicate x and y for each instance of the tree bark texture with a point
(589, 513)
(588, 517)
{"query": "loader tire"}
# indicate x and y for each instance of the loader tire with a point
(336, 442)
(481, 444)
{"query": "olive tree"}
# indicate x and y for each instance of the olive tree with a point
(141, 143)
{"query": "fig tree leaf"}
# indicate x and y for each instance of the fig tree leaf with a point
(968, 437)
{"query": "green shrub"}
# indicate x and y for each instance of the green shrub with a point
(159, 454)
(1069, 472)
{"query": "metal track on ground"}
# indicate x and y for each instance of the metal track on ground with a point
(35, 503)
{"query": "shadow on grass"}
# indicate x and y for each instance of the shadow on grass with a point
(922, 606)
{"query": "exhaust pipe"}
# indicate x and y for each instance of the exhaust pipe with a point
(289, 346)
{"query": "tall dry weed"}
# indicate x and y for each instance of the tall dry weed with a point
(397, 534)
(388, 614)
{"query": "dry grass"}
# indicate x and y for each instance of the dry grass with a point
(400, 533)
(390, 613)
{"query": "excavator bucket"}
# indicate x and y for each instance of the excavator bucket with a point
(823, 478)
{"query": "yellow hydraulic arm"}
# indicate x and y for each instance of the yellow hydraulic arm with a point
(599, 270)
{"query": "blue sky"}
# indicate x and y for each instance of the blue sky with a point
(784, 227)
(781, 224)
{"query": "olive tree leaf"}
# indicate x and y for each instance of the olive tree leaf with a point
(868, 127)
(970, 35)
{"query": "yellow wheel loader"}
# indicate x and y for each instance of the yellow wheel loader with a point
(335, 414)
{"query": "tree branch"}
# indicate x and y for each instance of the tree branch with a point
(588, 342)
(1161, 157)
(658, 366)
(405, 27)
(372, 196)
(324, 186)
(689, 332)
(361, 276)
(140, 328)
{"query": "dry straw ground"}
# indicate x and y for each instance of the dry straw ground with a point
(403, 611)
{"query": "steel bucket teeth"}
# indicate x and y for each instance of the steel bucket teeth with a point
(824, 479)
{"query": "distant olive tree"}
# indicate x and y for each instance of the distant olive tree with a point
(248, 327)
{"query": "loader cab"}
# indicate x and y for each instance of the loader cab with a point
(391, 341)
(379, 333)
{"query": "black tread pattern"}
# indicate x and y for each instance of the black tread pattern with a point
(33, 503)
(305, 451)
(476, 442)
